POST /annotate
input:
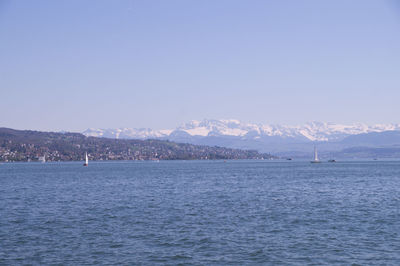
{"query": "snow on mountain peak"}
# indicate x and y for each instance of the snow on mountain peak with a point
(313, 131)
(127, 133)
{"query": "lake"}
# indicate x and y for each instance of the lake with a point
(200, 213)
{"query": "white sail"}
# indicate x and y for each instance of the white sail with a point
(86, 158)
(315, 154)
(316, 160)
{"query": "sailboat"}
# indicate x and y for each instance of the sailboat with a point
(42, 159)
(86, 160)
(316, 160)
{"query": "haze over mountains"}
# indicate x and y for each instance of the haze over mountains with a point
(355, 140)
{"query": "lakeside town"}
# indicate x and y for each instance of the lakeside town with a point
(25, 145)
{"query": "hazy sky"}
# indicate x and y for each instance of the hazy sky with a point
(70, 65)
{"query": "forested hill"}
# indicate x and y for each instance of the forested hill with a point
(27, 145)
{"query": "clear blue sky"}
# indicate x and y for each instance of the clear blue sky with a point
(70, 65)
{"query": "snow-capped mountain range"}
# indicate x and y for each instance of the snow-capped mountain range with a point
(313, 131)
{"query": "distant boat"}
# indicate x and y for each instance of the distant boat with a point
(289, 159)
(316, 160)
(42, 159)
(332, 161)
(86, 160)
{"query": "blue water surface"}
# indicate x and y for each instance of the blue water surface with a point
(200, 213)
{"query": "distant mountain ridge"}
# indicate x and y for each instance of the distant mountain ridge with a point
(312, 131)
(282, 140)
